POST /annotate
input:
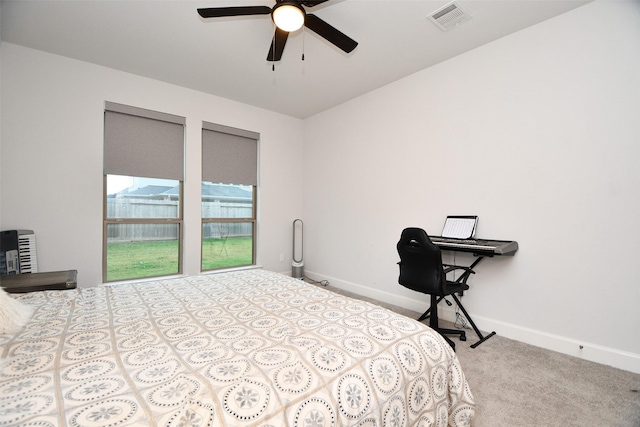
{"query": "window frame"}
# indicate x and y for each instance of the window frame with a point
(252, 220)
(115, 164)
(208, 126)
(179, 221)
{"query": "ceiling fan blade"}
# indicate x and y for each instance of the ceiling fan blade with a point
(311, 3)
(277, 45)
(218, 12)
(330, 33)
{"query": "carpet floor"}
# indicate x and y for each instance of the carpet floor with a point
(517, 384)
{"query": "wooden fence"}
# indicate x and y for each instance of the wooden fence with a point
(153, 208)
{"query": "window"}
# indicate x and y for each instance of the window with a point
(143, 176)
(229, 183)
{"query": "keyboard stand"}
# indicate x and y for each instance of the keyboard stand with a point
(463, 279)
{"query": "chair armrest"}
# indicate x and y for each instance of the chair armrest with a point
(463, 277)
(448, 268)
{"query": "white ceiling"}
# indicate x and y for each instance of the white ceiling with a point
(168, 41)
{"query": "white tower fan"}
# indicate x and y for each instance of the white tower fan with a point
(297, 265)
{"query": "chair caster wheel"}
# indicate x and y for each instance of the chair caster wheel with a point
(463, 337)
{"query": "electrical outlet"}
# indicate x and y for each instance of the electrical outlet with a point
(281, 257)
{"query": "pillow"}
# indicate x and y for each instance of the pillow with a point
(14, 314)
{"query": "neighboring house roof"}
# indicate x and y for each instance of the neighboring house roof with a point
(209, 191)
(218, 190)
(149, 190)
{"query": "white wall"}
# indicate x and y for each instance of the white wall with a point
(537, 133)
(51, 158)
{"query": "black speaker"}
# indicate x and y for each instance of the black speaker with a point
(18, 252)
(9, 255)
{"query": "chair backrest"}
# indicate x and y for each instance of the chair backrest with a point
(420, 262)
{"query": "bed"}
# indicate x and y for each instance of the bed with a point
(247, 348)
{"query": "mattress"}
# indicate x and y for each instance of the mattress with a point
(248, 348)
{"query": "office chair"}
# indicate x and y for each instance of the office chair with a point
(421, 270)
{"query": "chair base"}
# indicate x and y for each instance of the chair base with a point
(432, 314)
(463, 336)
(482, 337)
(445, 331)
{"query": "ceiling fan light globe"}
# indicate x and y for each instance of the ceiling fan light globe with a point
(288, 17)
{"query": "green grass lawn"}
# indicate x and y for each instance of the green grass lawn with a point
(230, 252)
(130, 260)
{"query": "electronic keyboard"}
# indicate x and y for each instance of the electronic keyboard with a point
(477, 246)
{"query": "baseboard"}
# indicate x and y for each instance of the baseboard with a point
(572, 347)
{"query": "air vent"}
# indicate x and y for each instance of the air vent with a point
(449, 16)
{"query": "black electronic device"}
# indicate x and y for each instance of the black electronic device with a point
(18, 252)
(9, 260)
(482, 247)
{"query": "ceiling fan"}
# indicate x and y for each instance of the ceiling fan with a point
(289, 16)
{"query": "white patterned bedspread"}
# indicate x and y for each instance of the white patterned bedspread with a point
(251, 348)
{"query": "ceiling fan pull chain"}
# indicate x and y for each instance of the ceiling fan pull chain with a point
(303, 31)
(273, 42)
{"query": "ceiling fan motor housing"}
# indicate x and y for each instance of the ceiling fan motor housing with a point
(288, 15)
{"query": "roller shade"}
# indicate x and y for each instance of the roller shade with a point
(145, 143)
(229, 155)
